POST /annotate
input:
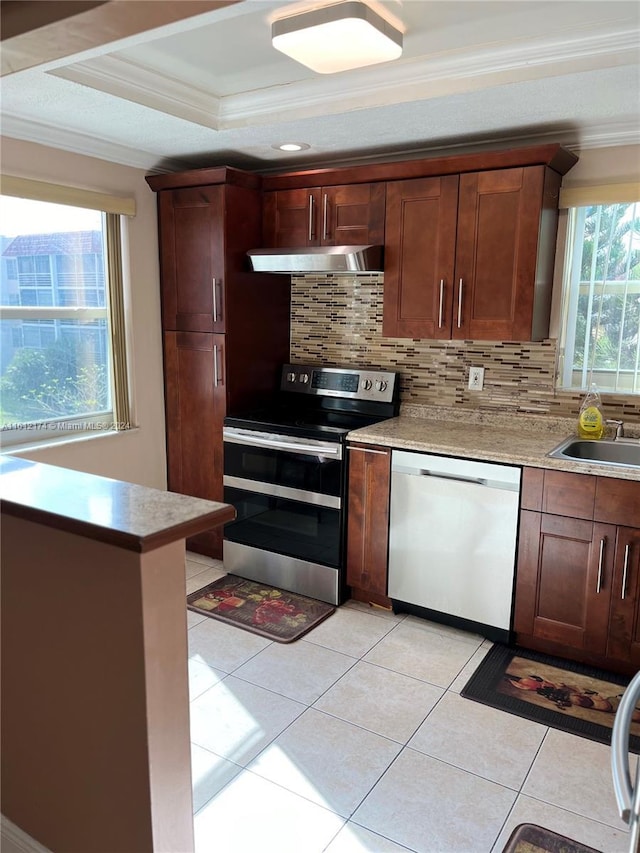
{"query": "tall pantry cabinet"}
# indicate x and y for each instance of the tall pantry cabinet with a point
(225, 328)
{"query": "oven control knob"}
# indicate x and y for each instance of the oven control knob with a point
(304, 377)
(291, 377)
(367, 384)
(381, 385)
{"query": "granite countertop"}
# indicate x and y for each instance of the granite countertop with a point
(130, 516)
(514, 439)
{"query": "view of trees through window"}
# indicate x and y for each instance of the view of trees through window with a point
(54, 356)
(603, 319)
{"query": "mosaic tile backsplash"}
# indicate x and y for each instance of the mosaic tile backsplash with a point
(337, 320)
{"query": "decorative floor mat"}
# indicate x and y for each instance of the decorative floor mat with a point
(551, 691)
(257, 607)
(529, 838)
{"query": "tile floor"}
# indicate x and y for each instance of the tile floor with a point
(355, 738)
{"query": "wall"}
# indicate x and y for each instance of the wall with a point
(338, 320)
(137, 455)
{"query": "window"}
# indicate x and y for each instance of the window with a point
(62, 355)
(601, 312)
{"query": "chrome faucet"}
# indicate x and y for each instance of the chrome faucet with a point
(619, 425)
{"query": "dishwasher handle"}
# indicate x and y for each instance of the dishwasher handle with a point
(459, 478)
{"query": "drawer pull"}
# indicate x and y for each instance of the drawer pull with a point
(603, 542)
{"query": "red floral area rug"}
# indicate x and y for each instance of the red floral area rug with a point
(552, 691)
(266, 610)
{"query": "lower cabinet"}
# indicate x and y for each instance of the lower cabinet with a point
(368, 523)
(624, 631)
(195, 407)
(578, 574)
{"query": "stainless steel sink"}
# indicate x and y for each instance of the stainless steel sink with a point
(625, 452)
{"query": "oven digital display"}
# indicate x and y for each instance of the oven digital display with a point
(335, 381)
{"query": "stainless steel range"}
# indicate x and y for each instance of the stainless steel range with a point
(285, 472)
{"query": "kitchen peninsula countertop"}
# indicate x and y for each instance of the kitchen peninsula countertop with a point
(510, 438)
(130, 516)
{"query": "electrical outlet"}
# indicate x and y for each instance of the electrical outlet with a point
(476, 378)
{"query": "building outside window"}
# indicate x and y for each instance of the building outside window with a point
(601, 311)
(62, 358)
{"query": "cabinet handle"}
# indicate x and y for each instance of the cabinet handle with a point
(325, 210)
(460, 304)
(216, 375)
(627, 549)
(441, 303)
(310, 218)
(603, 542)
(214, 283)
(367, 450)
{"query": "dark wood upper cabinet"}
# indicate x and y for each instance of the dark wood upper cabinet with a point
(192, 254)
(420, 257)
(471, 256)
(348, 215)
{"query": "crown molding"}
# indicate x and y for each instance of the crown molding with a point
(438, 76)
(68, 139)
(143, 85)
(399, 82)
(599, 136)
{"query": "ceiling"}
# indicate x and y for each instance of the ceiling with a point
(210, 89)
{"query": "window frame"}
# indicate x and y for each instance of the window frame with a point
(573, 202)
(118, 416)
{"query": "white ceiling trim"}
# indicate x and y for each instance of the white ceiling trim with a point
(439, 76)
(425, 79)
(80, 143)
(145, 86)
(600, 136)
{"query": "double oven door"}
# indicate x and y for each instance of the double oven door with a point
(288, 495)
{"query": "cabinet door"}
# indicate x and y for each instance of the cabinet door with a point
(497, 248)
(624, 632)
(352, 215)
(192, 258)
(368, 522)
(195, 408)
(290, 218)
(349, 215)
(564, 580)
(419, 257)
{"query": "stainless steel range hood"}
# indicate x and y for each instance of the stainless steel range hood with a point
(318, 259)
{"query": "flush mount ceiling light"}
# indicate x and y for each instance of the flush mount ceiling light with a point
(337, 38)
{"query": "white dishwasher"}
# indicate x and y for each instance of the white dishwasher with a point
(452, 540)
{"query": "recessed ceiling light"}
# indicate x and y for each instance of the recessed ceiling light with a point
(337, 37)
(292, 146)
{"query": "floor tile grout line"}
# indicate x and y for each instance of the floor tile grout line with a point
(597, 820)
(519, 792)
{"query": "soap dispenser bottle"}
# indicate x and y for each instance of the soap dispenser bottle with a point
(590, 420)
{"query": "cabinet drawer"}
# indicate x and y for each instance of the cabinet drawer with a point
(617, 501)
(567, 494)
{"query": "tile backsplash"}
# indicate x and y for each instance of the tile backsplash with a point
(337, 320)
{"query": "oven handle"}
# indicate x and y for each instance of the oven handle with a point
(275, 491)
(312, 448)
